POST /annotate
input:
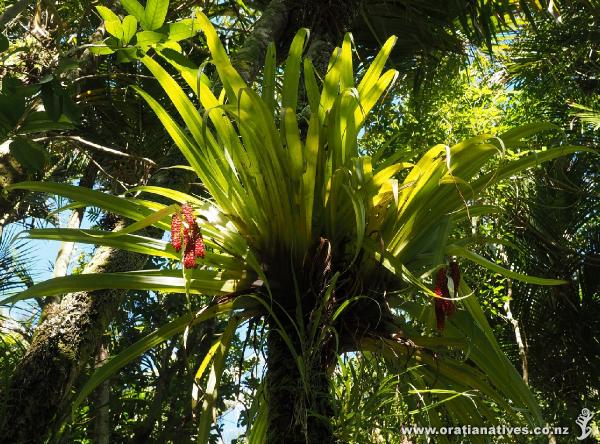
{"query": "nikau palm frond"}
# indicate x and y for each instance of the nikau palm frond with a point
(320, 240)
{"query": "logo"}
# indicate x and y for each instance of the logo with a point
(582, 421)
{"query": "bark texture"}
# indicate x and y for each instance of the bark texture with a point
(327, 21)
(65, 251)
(64, 342)
(297, 414)
(518, 335)
(269, 28)
(101, 432)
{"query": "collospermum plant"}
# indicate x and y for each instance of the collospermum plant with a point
(327, 245)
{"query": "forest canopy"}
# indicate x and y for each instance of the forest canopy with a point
(291, 221)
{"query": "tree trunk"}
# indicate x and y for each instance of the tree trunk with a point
(101, 430)
(281, 19)
(514, 322)
(517, 330)
(65, 251)
(269, 28)
(63, 343)
(327, 21)
(300, 408)
(298, 413)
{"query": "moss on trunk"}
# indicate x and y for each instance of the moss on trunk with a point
(299, 411)
(64, 342)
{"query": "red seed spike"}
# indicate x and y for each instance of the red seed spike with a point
(448, 307)
(199, 248)
(188, 214)
(440, 316)
(442, 306)
(188, 227)
(189, 257)
(441, 283)
(176, 232)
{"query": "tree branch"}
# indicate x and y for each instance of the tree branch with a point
(98, 147)
(13, 11)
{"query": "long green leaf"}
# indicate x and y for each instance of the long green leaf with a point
(129, 242)
(140, 347)
(118, 205)
(492, 359)
(232, 80)
(346, 70)
(216, 185)
(291, 76)
(456, 250)
(145, 245)
(169, 281)
(207, 415)
(309, 178)
(514, 135)
(148, 221)
(175, 195)
(360, 218)
(376, 68)
(536, 158)
(311, 86)
(258, 428)
(268, 85)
